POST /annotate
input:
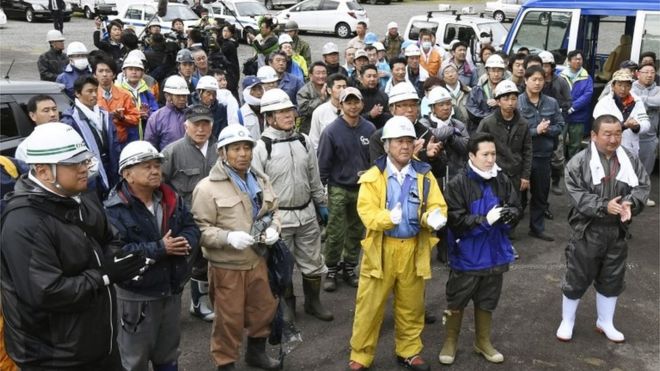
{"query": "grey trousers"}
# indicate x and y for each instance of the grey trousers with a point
(149, 331)
(304, 242)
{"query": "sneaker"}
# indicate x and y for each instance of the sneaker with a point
(650, 203)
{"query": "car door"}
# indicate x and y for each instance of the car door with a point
(327, 16)
(305, 14)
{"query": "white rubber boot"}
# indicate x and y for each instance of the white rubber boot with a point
(568, 309)
(605, 324)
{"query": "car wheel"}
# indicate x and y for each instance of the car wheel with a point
(544, 18)
(88, 13)
(343, 30)
(29, 15)
(498, 16)
(269, 5)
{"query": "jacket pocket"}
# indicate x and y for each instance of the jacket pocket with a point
(370, 258)
(228, 213)
(132, 315)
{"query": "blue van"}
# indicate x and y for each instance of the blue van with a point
(602, 29)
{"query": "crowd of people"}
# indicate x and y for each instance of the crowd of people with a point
(170, 167)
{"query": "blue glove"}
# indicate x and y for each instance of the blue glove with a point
(324, 214)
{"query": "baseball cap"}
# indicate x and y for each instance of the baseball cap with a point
(348, 92)
(622, 75)
(379, 46)
(198, 112)
(330, 48)
(250, 81)
(361, 53)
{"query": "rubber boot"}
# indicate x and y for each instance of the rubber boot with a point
(568, 309)
(556, 187)
(200, 306)
(350, 277)
(452, 321)
(330, 283)
(289, 314)
(174, 366)
(605, 324)
(256, 356)
(227, 367)
(482, 345)
(313, 306)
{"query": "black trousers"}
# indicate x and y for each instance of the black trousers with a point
(110, 363)
(539, 188)
(483, 290)
(58, 20)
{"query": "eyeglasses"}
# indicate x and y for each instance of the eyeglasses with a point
(84, 164)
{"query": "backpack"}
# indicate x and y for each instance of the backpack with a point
(269, 142)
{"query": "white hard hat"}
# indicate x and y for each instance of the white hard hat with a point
(379, 46)
(54, 35)
(275, 100)
(267, 74)
(495, 61)
(132, 62)
(330, 48)
(136, 53)
(207, 83)
(438, 94)
(505, 87)
(392, 25)
(401, 92)
(285, 38)
(547, 57)
(398, 127)
(233, 134)
(76, 48)
(137, 152)
(55, 143)
(413, 51)
(176, 85)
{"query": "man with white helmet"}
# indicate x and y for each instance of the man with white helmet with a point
(330, 53)
(133, 82)
(481, 101)
(59, 308)
(290, 162)
(250, 111)
(166, 125)
(153, 221)
(78, 66)
(392, 41)
(312, 94)
(53, 62)
(300, 46)
(207, 93)
(415, 73)
(151, 82)
(238, 275)
(296, 64)
(384, 70)
(268, 77)
(401, 204)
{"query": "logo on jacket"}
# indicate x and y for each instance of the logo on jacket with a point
(365, 141)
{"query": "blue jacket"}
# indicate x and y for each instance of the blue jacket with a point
(477, 105)
(582, 89)
(474, 245)
(69, 76)
(291, 84)
(140, 231)
(542, 144)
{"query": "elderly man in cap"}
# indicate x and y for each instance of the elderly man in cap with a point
(166, 125)
(392, 41)
(300, 46)
(330, 54)
(343, 153)
(185, 163)
(607, 186)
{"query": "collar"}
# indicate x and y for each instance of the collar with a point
(399, 175)
(489, 174)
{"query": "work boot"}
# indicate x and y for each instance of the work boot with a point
(256, 356)
(330, 283)
(313, 306)
(200, 306)
(289, 314)
(568, 309)
(452, 321)
(350, 277)
(556, 187)
(605, 324)
(482, 345)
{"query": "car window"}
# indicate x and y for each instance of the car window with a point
(250, 9)
(329, 5)
(458, 32)
(499, 32)
(543, 30)
(134, 13)
(148, 14)
(180, 12)
(354, 5)
(8, 127)
(310, 5)
(651, 33)
(416, 26)
(63, 102)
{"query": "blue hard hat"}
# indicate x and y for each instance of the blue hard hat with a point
(370, 38)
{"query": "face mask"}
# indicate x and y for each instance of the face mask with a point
(426, 45)
(485, 40)
(80, 63)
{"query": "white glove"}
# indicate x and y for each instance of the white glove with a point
(436, 220)
(240, 240)
(494, 215)
(271, 236)
(396, 214)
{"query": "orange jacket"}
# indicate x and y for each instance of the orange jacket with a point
(432, 63)
(6, 364)
(120, 99)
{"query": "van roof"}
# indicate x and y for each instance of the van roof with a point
(598, 7)
(449, 16)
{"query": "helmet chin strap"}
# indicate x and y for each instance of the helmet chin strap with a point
(58, 186)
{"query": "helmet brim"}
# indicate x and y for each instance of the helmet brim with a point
(78, 158)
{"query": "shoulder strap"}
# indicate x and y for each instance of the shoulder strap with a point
(269, 142)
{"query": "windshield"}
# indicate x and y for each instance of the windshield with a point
(353, 5)
(182, 12)
(499, 32)
(249, 9)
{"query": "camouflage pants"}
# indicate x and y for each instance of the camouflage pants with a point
(345, 229)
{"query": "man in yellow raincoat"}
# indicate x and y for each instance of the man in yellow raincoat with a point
(400, 205)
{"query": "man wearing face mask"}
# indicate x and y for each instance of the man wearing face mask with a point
(78, 66)
(253, 120)
(430, 58)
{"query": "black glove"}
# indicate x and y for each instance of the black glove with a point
(509, 214)
(122, 268)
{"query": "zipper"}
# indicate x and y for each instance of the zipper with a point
(112, 328)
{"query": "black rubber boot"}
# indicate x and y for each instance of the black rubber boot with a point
(313, 306)
(290, 308)
(350, 277)
(330, 283)
(256, 355)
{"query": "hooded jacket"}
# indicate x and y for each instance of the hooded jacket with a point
(58, 312)
(629, 139)
(650, 96)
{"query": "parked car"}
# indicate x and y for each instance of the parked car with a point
(137, 16)
(246, 11)
(15, 124)
(31, 10)
(334, 16)
(501, 10)
(3, 17)
(449, 27)
(92, 8)
(271, 4)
